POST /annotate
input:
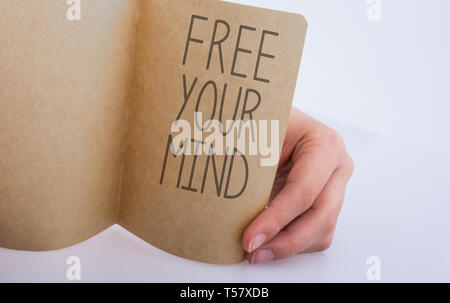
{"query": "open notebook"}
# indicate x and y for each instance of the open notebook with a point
(87, 109)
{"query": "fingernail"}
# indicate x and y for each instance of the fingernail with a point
(261, 256)
(256, 242)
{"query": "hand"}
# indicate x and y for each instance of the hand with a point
(307, 194)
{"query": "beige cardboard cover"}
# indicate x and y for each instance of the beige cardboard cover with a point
(86, 109)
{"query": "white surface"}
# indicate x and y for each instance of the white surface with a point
(386, 87)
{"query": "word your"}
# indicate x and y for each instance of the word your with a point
(73, 273)
(374, 271)
(74, 11)
(234, 133)
(374, 10)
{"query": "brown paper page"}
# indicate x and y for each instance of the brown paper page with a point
(62, 111)
(184, 205)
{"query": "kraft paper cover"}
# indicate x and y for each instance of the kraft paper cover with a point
(176, 215)
(86, 110)
(63, 101)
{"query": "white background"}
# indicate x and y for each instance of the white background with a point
(385, 85)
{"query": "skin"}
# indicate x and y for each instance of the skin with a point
(307, 195)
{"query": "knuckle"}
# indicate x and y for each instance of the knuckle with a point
(333, 138)
(303, 195)
(325, 244)
(328, 224)
(291, 248)
(350, 164)
(328, 137)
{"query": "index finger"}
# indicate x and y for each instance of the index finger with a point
(309, 175)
